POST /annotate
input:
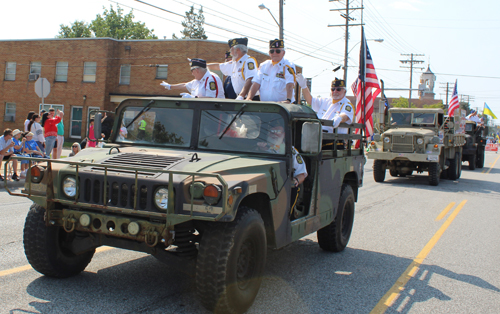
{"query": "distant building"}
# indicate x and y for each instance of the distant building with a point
(94, 73)
(427, 80)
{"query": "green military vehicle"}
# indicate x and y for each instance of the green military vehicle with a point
(475, 146)
(415, 139)
(195, 184)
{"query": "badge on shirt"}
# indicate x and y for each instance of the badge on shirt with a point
(280, 75)
(299, 159)
(251, 65)
(212, 86)
(348, 108)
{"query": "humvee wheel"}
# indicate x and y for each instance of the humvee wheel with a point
(455, 168)
(472, 162)
(379, 170)
(480, 159)
(335, 236)
(393, 173)
(230, 263)
(434, 173)
(47, 248)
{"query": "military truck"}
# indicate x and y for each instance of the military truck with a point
(475, 146)
(195, 185)
(416, 139)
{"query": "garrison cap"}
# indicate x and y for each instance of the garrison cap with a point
(338, 83)
(276, 43)
(237, 41)
(198, 63)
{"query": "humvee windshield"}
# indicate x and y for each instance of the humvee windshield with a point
(398, 118)
(469, 127)
(249, 129)
(156, 126)
(426, 119)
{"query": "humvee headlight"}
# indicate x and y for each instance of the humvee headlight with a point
(387, 140)
(212, 194)
(133, 228)
(69, 186)
(161, 198)
(420, 141)
(85, 220)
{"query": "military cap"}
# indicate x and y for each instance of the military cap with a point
(237, 41)
(338, 83)
(198, 63)
(276, 43)
(228, 54)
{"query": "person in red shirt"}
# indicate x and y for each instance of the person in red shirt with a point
(50, 128)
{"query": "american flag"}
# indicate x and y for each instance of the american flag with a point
(367, 78)
(454, 104)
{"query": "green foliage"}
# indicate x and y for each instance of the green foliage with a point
(193, 25)
(438, 105)
(465, 106)
(110, 24)
(401, 102)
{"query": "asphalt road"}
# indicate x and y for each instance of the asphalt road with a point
(414, 249)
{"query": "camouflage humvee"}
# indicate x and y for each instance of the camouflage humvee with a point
(194, 185)
(475, 145)
(416, 139)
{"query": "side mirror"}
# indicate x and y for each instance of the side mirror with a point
(311, 137)
(97, 125)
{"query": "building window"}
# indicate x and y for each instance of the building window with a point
(89, 71)
(162, 71)
(10, 71)
(10, 112)
(35, 71)
(76, 122)
(61, 71)
(125, 74)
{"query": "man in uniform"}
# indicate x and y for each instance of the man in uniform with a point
(205, 84)
(337, 108)
(242, 68)
(275, 79)
(228, 85)
(473, 117)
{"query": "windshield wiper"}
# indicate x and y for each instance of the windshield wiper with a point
(239, 113)
(140, 113)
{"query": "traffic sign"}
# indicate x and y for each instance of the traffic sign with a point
(42, 87)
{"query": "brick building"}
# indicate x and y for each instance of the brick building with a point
(93, 73)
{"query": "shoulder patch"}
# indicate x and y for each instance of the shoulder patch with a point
(348, 108)
(299, 159)
(290, 70)
(251, 65)
(212, 86)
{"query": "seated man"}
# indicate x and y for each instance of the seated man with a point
(6, 147)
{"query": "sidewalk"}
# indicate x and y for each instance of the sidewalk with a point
(20, 183)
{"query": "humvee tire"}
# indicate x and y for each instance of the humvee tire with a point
(335, 236)
(480, 159)
(393, 172)
(230, 263)
(455, 169)
(379, 170)
(472, 162)
(434, 173)
(45, 247)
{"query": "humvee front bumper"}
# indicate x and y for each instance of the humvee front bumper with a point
(414, 157)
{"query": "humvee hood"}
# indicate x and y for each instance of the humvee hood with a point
(410, 132)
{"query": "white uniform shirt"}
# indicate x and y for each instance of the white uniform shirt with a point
(273, 80)
(210, 85)
(298, 163)
(327, 110)
(240, 71)
(473, 118)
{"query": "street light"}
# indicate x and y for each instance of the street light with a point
(379, 40)
(280, 24)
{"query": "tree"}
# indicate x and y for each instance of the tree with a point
(110, 24)
(438, 105)
(193, 25)
(401, 102)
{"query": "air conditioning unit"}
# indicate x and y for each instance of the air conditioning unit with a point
(33, 76)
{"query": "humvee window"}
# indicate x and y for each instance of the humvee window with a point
(242, 136)
(401, 118)
(423, 118)
(162, 126)
(469, 127)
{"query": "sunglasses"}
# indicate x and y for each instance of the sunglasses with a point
(338, 89)
(274, 50)
(276, 131)
(74, 146)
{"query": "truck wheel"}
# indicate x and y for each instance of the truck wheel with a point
(230, 263)
(434, 173)
(47, 248)
(379, 170)
(472, 162)
(393, 172)
(454, 169)
(335, 236)
(480, 159)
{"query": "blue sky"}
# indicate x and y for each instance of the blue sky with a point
(457, 37)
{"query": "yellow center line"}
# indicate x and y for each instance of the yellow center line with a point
(493, 165)
(393, 293)
(28, 267)
(445, 211)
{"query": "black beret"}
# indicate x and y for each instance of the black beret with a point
(198, 63)
(237, 41)
(338, 83)
(276, 43)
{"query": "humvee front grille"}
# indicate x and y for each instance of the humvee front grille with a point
(402, 144)
(138, 160)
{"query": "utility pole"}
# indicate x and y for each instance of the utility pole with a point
(448, 90)
(411, 62)
(347, 18)
(281, 19)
